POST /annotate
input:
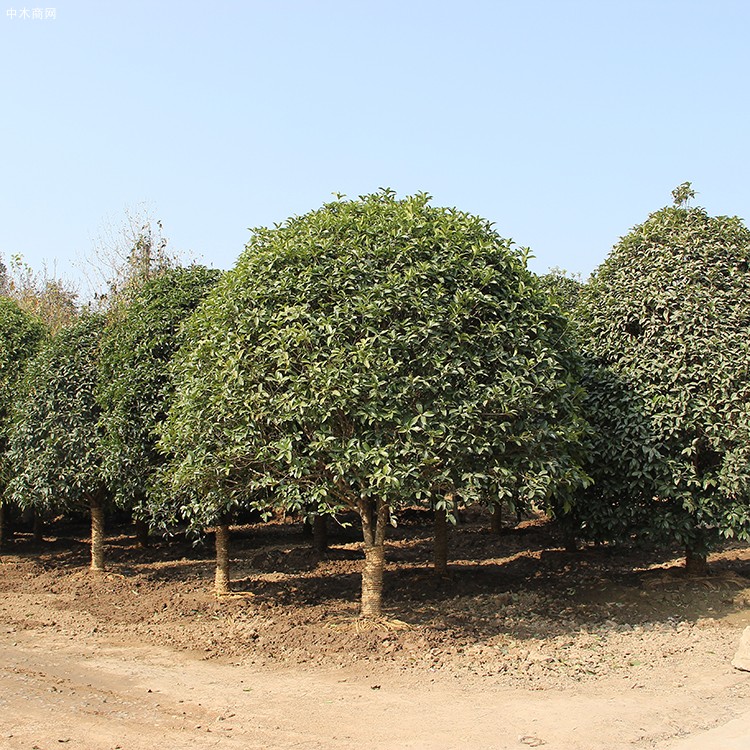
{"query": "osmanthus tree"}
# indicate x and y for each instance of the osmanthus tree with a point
(563, 287)
(20, 336)
(134, 384)
(54, 438)
(366, 354)
(665, 322)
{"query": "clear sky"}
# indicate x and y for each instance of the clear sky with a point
(565, 122)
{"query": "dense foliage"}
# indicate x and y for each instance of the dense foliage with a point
(54, 441)
(134, 384)
(666, 325)
(368, 354)
(563, 288)
(378, 353)
(20, 337)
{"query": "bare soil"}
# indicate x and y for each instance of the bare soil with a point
(521, 645)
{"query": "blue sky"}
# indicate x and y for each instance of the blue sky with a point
(563, 122)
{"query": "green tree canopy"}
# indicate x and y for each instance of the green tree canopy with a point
(364, 355)
(54, 440)
(134, 385)
(20, 337)
(564, 288)
(666, 323)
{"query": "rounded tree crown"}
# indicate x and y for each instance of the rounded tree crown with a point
(667, 316)
(377, 346)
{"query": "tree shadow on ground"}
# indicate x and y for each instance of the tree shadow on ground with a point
(521, 583)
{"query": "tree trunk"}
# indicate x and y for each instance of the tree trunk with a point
(320, 534)
(307, 529)
(372, 582)
(374, 516)
(695, 564)
(221, 582)
(496, 518)
(38, 528)
(97, 534)
(7, 523)
(3, 526)
(569, 540)
(440, 549)
(141, 532)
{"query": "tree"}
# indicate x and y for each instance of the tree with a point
(42, 294)
(20, 337)
(4, 279)
(134, 385)
(54, 438)
(364, 355)
(564, 288)
(125, 256)
(665, 322)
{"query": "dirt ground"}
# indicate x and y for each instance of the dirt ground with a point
(521, 645)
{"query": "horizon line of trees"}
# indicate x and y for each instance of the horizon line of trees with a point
(379, 353)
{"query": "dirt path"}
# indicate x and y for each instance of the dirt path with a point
(61, 690)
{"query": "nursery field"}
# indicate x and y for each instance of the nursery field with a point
(521, 645)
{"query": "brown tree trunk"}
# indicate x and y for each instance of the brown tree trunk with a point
(695, 564)
(320, 534)
(496, 518)
(440, 548)
(97, 534)
(141, 532)
(372, 582)
(221, 582)
(374, 516)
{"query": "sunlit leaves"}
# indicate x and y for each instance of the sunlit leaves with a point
(20, 337)
(378, 347)
(134, 386)
(666, 323)
(54, 441)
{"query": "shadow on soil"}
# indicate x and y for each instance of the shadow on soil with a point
(519, 582)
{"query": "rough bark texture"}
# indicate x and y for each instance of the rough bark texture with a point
(695, 564)
(374, 516)
(496, 519)
(97, 534)
(440, 549)
(320, 534)
(221, 582)
(372, 582)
